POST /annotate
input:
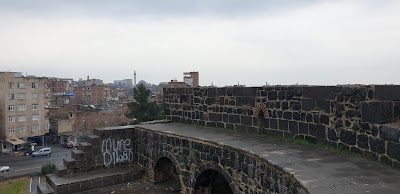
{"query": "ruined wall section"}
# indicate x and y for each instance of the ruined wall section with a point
(245, 172)
(359, 118)
(108, 147)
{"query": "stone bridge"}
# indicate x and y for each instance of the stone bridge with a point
(210, 160)
(207, 162)
(213, 160)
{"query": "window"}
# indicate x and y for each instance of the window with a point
(35, 106)
(22, 118)
(11, 130)
(21, 96)
(11, 107)
(11, 96)
(35, 128)
(35, 96)
(11, 119)
(21, 85)
(35, 117)
(11, 85)
(35, 85)
(21, 107)
(22, 129)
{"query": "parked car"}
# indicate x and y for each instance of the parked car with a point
(68, 145)
(4, 168)
(42, 152)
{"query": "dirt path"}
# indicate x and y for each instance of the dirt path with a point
(139, 187)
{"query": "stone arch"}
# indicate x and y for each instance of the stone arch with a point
(262, 114)
(165, 170)
(212, 178)
(261, 110)
(168, 161)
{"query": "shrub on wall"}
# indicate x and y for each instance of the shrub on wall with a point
(48, 168)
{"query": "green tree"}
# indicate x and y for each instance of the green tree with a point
(141, 108)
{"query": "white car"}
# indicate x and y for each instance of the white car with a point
(4, 168)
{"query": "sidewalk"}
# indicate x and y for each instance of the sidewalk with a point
(319, 170)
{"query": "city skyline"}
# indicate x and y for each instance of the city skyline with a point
(253, 43)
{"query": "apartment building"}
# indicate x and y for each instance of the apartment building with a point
(23, 116)
(60, 86)
(91, 94)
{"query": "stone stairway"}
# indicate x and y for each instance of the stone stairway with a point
(85, 170)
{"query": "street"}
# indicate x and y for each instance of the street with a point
(28, 164)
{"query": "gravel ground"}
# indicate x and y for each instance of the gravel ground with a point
(139, 187)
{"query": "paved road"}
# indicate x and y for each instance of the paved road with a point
(28, 164)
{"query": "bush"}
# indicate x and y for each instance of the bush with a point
(48, 168)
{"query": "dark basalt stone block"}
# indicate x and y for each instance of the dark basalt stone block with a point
(234, 118)
(294, 126)
(390, 133)
(348, 137)
(332, 134)
(325, 92)
(377, 112)
(393, 150)
(238, 91)
(387, 92)
(307, 104)
(272, 95)
(283, 125)
(362, 141)
(377, 145)
(250, 91)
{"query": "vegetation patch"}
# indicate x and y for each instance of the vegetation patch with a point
(48, 168)
(14, 186)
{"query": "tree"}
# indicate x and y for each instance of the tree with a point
(141, 109)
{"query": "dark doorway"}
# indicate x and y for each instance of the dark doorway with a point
(212, 182)
(165, 170)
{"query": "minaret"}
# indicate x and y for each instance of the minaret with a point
(134, 77)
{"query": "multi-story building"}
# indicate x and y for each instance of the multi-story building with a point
(90, 94)
(23, 116)
(176, 84)
(123, 83)
(60, 86)
(191, 78)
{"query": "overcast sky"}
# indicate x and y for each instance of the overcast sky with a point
(252, 42)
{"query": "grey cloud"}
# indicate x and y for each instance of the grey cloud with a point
(126, 8)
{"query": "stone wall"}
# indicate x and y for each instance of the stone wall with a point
(245, 172)
(108, 147)
(359, 118)
(105, 159)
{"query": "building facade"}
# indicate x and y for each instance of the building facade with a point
(191, 78)
(23, 116)
(91, 94)
(123, 83)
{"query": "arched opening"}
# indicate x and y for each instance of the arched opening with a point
(212, 182)
(165, 170)
(261, 113)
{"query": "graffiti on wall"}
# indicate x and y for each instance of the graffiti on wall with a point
(116, 151)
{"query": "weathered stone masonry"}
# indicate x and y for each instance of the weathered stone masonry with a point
(245, 172)
(359, 118)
